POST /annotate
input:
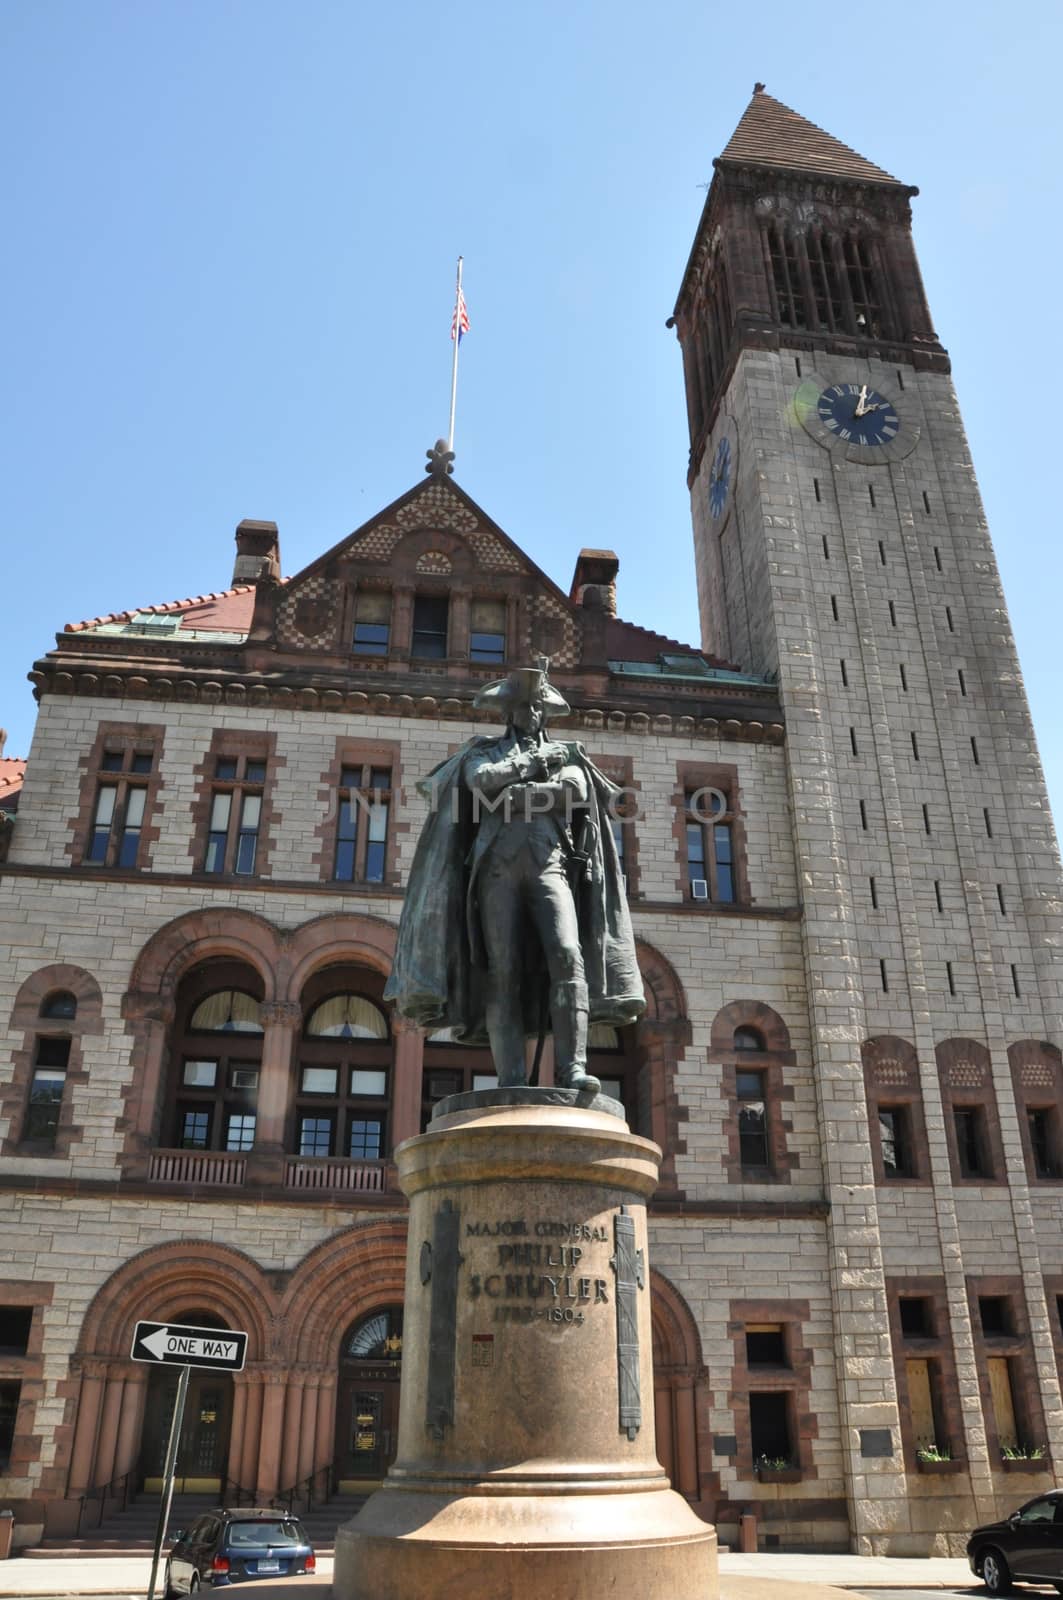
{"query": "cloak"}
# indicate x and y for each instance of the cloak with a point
(437, 979)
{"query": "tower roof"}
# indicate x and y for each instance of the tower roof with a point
(771, 135)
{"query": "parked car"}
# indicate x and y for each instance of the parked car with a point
(1027, 1545)
(230, 1546)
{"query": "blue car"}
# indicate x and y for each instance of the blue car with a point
(232, 1546)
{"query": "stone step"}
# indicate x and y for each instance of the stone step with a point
(132, 1532)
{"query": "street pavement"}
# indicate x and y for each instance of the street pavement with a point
(742, 1577)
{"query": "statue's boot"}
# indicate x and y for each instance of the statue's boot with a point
(507, 1041)
(569, 1013)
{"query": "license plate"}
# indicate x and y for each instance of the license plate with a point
(269, 1566)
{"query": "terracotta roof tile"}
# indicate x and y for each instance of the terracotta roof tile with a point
(12, 772)
(771, 135)
(223, 611)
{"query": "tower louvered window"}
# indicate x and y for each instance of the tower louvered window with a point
(787, 277)
(824, 282)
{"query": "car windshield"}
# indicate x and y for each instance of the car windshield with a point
(242, 1535)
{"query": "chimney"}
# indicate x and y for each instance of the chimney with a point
(258, 553)
(3, 739)
(594, 581)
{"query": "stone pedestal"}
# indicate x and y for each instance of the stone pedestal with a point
(526, 1463)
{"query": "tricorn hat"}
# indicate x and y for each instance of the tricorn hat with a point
(523, 686)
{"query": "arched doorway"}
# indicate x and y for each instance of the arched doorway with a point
(681, 1399)
(203, 1451)
(367, 1398)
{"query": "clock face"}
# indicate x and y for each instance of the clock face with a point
(720, 478)
(858, 415)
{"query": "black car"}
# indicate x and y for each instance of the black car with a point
(1026, 1545)
(230, 1546)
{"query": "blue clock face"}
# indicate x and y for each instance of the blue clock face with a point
(855, 414)
(720, 478)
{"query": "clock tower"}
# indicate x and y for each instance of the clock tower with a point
(841, 547)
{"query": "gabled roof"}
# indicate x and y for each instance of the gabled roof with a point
(771, 135)
(12, 772)
(224, 611)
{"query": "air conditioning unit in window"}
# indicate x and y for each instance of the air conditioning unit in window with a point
(699, 889)
(245, 1078)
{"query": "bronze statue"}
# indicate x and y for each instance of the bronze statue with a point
(515, 910)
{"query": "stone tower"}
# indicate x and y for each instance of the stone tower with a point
(841, 545)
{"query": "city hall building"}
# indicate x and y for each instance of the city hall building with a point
(850, 1054)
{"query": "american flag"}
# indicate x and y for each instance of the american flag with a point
(460, 322)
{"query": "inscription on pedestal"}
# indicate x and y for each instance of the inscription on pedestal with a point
(545, 1271)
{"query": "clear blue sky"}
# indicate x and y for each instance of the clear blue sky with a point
(231, 228)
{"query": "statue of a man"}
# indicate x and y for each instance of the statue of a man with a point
(515, 910)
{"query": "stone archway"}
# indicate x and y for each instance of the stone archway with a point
(661, 1037)
(681, 1396)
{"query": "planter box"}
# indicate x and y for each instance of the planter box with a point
(1019, 1464)
(779, 1474)
(941, 1467)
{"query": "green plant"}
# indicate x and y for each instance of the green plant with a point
(934, 1452)
(1023, 1452)
(773, 1464)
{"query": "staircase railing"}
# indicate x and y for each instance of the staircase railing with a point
(119, 1488)
(315, 1488)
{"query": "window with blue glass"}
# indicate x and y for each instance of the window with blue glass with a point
(119, 807)
(344, 1078)
(710, 849)
(362, 816)
(487, 631)
(372, 622)
(235, 815)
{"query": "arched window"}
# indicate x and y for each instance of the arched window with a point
(216, 1059)
(378, 1337)
(343, 1094)
(748, 1039)
(61, 1006)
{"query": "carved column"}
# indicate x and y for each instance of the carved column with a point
(458, 643)
(308, 1426)
(325, 1442)
(236, 1428)
(110, 1417)
(86, 1428)
(281, 1023)
(402, 622)
(134, 1403)
(245, 1468)
(148, 1019)
(293, 1427)
(267, 1472)
(408, 1071)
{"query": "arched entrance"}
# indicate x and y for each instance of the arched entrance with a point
(203, 1450)
(367, 1397)
(681, 1399)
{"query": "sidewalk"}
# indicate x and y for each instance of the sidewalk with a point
(743, 1577)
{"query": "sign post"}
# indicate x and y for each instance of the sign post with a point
(174, 1345)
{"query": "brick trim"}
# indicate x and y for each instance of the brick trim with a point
(127, 737)
(26, 1017)
(257, 747)
(620, 769)
(1018, 1348)
(359, 753)
(1037, 1080)
(771, 1061)
(698, 775)
(936, 1347)
(795, 1379)
(891, 1078)
(966, 1076)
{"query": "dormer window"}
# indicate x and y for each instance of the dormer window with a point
(372, 623)
(430, 627)
(487, 631)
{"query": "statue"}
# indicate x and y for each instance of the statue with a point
(515, 910)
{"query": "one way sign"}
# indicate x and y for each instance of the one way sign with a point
(174, 1345)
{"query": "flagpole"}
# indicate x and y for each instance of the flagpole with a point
(454, 367)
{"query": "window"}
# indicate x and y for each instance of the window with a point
(363, 811)
(710, 846)
(235, 814)
(1043, 1126)
(9, 1399)
(752, 1120)
(1037, 1080)
(748, 1039)
(15, 1325)
(119, 808)
(451, 1067)
(217, 1055)
(372, 623)
(769, 1428)
(430, 627)
(915, 1317)
(60, 1006)
(487, 631)
(969, 1123)
(994, 1316)
(766, 1345)
(41, 1124)
(895, 1141)
(344, 1079)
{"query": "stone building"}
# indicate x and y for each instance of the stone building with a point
(851, 1049)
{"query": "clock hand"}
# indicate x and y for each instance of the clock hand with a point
(861, 402)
